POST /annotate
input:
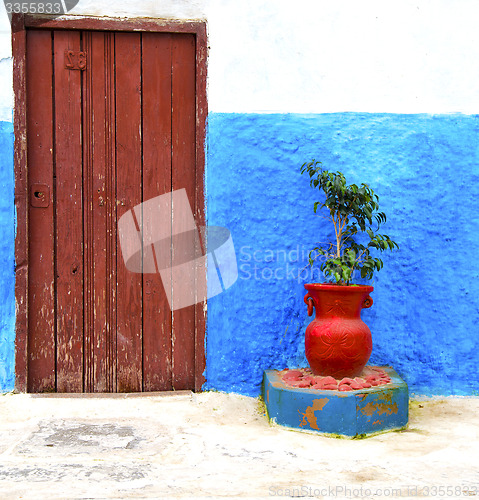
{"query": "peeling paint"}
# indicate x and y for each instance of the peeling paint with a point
(309, 416)
(385, 396)
(381, 408)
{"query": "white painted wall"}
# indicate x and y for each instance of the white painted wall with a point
(6, 82)
(318, 56)
(344, 55)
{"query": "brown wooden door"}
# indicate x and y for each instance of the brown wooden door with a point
(111, 122)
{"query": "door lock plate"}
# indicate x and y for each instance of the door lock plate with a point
(40, 195)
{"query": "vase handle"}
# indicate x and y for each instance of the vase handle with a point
(368, 302)
(310, 303)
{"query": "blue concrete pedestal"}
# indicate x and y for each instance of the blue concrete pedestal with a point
(356, 413)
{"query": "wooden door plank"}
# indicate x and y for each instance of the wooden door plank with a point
(183, 177)
(89, 259)
(110, 203)
(129, 187)
(69, 229)
(200, 215)
(93, 313)
(41, 327)
(99, 213)
(156, 81)
(19, 52)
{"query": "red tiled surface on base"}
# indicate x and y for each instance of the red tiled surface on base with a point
(371, 376)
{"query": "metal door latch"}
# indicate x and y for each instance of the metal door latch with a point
(75, 59)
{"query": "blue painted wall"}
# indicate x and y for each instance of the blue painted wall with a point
(7, 259)
(425, 170)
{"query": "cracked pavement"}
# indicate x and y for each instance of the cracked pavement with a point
(170, 445)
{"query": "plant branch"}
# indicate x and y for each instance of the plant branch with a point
(337, 230)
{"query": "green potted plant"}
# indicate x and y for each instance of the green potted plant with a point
(338, 342)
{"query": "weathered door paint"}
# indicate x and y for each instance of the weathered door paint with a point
(111, 122)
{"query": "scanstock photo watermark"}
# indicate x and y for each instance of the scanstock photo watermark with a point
(48, 7)
(160, 236)
(343, 491)
(279, 264)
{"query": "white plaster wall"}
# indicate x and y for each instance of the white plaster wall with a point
(6, 82)
(317, 56)
(344, 55)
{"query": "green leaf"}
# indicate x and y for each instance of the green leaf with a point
(348, 202)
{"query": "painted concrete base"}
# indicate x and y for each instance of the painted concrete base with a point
(350, 414)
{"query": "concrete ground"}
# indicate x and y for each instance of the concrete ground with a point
(221, 445)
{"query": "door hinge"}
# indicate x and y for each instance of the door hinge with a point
(75, 59)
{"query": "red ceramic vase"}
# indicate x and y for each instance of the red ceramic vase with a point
(337, 342)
